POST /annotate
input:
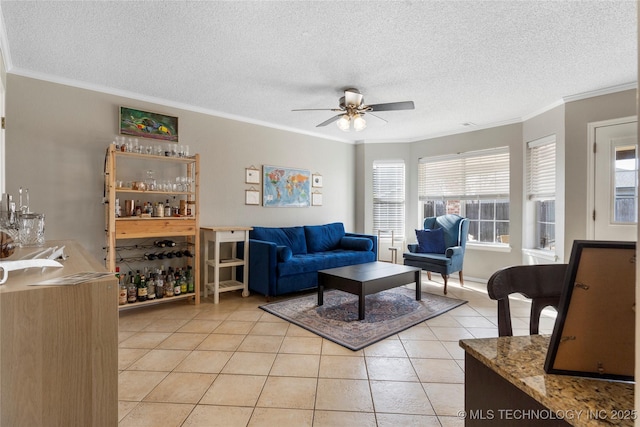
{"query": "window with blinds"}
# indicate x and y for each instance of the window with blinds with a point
(388, 197)
(541, 189)
(474, 185)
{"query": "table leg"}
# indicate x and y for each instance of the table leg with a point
(361, 305)
(418, 286)
(320, 290)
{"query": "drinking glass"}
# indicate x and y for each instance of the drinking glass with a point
(31, 229)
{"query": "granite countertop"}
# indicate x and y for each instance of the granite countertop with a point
(579, 401)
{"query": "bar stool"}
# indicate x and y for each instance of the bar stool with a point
(393, 249)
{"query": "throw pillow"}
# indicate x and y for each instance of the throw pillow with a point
(284, 253)
(323, 238)
(431, 241)
(356, 243)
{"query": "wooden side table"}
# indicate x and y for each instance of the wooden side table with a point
(220, 236)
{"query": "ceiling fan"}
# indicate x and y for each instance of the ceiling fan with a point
(352, 109)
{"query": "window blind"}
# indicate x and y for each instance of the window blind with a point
(473, 175)
(388, 196)
(541, 169)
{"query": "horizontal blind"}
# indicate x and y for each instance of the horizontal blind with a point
(388, 196)
(541, 169)
(473, 175)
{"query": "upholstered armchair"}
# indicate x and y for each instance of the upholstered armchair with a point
(440, 247)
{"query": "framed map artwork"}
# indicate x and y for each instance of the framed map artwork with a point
(286, 187)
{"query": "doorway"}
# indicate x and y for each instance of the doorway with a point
(614, 180)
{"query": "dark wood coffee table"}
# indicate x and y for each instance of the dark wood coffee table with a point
(366, 279)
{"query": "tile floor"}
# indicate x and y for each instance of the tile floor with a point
(233, 364)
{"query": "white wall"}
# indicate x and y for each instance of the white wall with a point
(57, 136)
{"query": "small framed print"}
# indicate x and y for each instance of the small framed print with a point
(316, 199)
(316, 180)
(252, 175)
(251, 197)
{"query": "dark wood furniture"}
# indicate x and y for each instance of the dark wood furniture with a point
(506, 385)
(543, 284)
(368, 278)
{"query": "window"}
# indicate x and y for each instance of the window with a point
(626, 184)
(388, 197)
(541, 190)
(474, 185)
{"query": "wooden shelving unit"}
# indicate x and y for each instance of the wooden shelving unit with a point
(136, 227)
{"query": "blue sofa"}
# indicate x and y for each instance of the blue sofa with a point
(287, 259)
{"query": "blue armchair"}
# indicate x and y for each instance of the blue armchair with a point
(444, 256)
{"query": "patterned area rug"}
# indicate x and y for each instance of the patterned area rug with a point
(386, 313)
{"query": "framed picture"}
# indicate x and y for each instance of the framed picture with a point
(252, 175)
(251, 197)
(144, 124)
(594, 333)
(316, 199)
(286, 187)
(316, 180)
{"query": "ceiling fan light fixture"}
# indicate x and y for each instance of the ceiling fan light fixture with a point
(359, 123)
(344, 123)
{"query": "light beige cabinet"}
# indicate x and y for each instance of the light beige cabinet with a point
(128, 237)
(224, 241)
(59, 346)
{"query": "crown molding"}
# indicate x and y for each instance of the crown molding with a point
(600, 92)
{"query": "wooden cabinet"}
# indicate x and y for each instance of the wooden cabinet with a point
(219, 237)
(59, 346)
(130, 238)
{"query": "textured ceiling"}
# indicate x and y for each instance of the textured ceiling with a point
(480, 62)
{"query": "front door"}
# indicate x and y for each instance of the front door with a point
(616, 182)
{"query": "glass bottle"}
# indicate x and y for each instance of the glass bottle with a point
(183, 283)
(132, 291)
(190, 284)
(151, 288)
(141, 285)
(176, 284)
(159, 286)
(168, 285)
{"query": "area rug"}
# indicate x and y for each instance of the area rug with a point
(386, 313)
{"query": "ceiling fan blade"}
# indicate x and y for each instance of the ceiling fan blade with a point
(331, 120)
(317, 109)
(352, 97)
(392, 106)
(369, 113)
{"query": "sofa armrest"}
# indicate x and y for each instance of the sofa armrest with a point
(373, 238)
(454, 251)
(263, 260)
(413, 247)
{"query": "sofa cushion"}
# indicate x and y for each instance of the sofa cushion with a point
(293, 237)
(431, 241)
(313, 262)
(322, 238)
(284, 253)
(356, 243)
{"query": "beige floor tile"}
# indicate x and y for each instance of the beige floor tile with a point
(391, 369)
(234, 390)
(344, 419)
(394, 420)
(270, 328)
(451, 421)
(269, 318)
(218, 416)
(165, 325)
(182, 341)
(426, 349)
(270, 417)
(200, 326)
(344, 395)
(484, 332)
(331, 348)
(474, 322)
(181, 387)
(127, 356)
(149, 414)
(301, 345)
(212, 315)
(144, 340)
(451, 334)
(347, 367)
(454, 349)
(222, 342)
(206, 362)
(418, 332)
(445, 320)
(124, 408)
(297, 331)
(296, 365)
(135, 385)
(123, 335)
(250, 363)
(438, 371)
(234, 327)
(159, 360)
(133, 323)
(288, 392)
(398, 397)
(386, 348)
(463, 310)
(447, 399)
(245, 315)
(261, 343)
